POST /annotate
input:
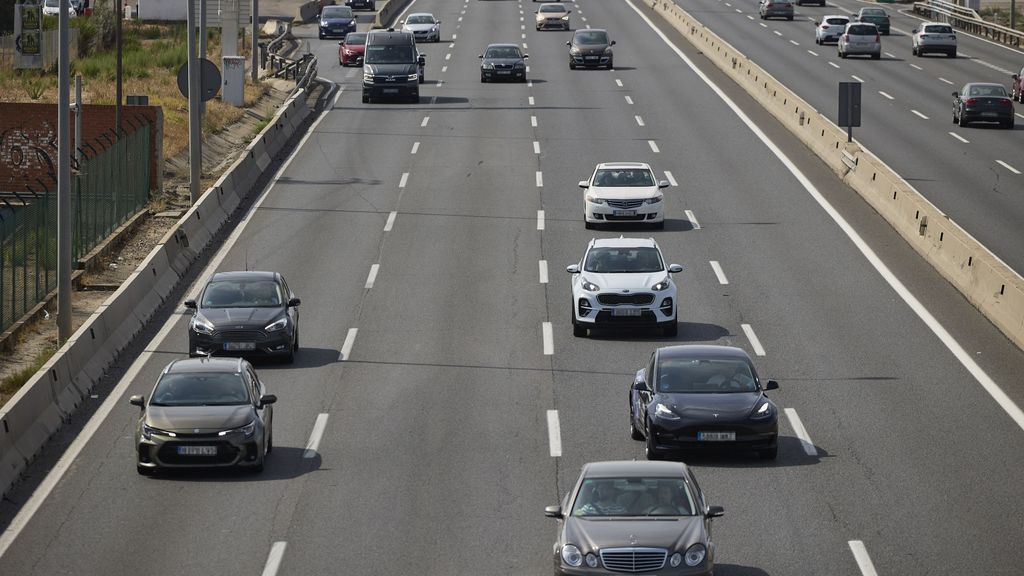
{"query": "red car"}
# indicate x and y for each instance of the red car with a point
(350, 50)
(1017, 87)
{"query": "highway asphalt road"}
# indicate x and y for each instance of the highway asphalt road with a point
(428, 242)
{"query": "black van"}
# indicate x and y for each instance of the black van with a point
(392, 66)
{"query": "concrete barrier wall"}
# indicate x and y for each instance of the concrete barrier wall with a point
(988, 283)
(41, 406)
(387, 11)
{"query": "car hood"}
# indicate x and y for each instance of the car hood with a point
(623, 192)
(503, 61)
(634, 282)
(206, 419)
(419, 27)
(390, 69)
(356, 48)
(241, 317)
(704, 406)
(675, 534)
(336, 21)
(590, 48)
(551, 15)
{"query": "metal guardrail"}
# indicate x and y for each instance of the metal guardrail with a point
(969, 21)
(303, 69)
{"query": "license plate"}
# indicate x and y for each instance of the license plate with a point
(624, 213)
(590, 57)
(197, 450)
(390, 91)
(716, 436)
(990, 113)
(504, 72)
(626, 311)
(235, 346)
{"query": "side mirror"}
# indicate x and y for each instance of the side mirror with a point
(674, 268)
(714, 512)
(437, 22)
(136, 400)
(771, 385)
(267, 399)
(553, 512)
(663, 184)
(568, 43)
(422, 60)
(956, 94)
(342, 43)
(292, 302)
(612, 43)
(359, 60)
(191, 304)
(526, 56)
(640, 380)
(573, 268)
(480, 56)
(584, 184)
(640, 386)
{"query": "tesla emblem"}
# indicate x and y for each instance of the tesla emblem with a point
(633, 540)
(716, 415)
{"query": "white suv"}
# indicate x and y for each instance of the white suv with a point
(624, 192)
(623, 282)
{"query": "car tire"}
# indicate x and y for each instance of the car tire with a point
(658, 225)
(289, 358)
(415, 98)
(144, 470)
(483, 79)
(914, 52)
(650, 451)
(951, 54)
(578, 330)
(961, 121)
(955, 121)
(1009, 124)
(572, 66)
(611, 63)
(633, 432)
(769, 453)
(270, 441)
(366, 99)
(876, 56)
(589, 225)
(790, 18)
(671, 331)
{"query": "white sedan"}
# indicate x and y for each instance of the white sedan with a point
(423, 26)
(623, 282)
(624, 192)
(52, 8)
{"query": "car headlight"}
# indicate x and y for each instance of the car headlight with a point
(148, 432)
(367, 77)
(663, 412)
(412, 77)
(608, 50)
(662, 285)
(591, 560)
(201, 325)
(571, 555)
(655, 200)
(676, 559)
(248, 430)
(594, 199)
(589, 286)
(487, 66)
(276, 325)
(695, 554)
(764, 411)
(574, 51)
(566, 17)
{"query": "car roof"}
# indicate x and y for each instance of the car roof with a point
(702, 351)
(623, 165)
(419, 14)
(390, 37)
(552, 4)
(516, 46)
(843, 16)
(194, 365)
(245, 275)
(578, 30)
(626, 468)
(622, 242)
(988, 84)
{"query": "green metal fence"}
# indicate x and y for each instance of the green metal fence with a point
(110, 184)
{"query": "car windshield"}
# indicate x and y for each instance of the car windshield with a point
(53, 3)
(873, 12)
(634, 497)
(588, 37)
(552, 8)
(861, 30)
(623, 177)
(388, 54)
(987, 90)
(623, 260)
(420, 19)
(355, 39)
(837, 21)
(337, 12)
(704, 376)
(941, 29)
(200, 389)
(502, 52)
(242, 294)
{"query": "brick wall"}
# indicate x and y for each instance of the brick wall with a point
(28, 140)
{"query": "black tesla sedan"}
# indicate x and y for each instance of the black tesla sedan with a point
(702, 397)
(245, 314)
(983, 102)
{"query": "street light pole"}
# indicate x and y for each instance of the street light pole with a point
(118, 16)
(63, 178)
(255, 67)
(195, 142)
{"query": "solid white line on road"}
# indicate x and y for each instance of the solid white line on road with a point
(671, 179)
(314, 437)
(946, 81)
(833, 64)
(639, 120)
(959, 137)
(531, 101)
(618, 82)
(274, 558)
(915, 66)
(919, 115)
(654, 146)
(540, 219)
(549, 344)
(372, 277)
(415, 147)
(951, 344)
(1019, 115)
(444, 69)
(629, 100)
(801, 432)
(693, 219)
(533, 121)
(1007, 166)
(794, 42)
(994, 67)
(404, 180)
(391, 221)
(536, 147)
(540, 179)
(886, 95)
(857, 78)
(754, 342)
(812, 52)
(554, 434)
(719, 272)
(860, 554)
(346, 347)
(777, 33)
(543, 271)
(426, 119)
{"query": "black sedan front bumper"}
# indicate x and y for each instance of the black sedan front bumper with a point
(685, 435)
(244, 343)
(336, 31)
(517, 74)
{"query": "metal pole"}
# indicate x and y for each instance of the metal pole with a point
(255, 67)
(117, 31)
(202, 45)
(78, 120)
(195, 153)
(1013, 14)
(63, 179)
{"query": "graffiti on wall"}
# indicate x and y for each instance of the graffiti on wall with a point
(27, 153)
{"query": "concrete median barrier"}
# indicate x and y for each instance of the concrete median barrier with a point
(987, 282)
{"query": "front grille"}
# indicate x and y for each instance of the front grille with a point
(240, 335)
(625, 204)
(503, 66)
(638, 217)
(645, 317)
(633, 559)
(226, 454)
(638, 299)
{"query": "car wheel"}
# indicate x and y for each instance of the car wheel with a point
(842, 55)
(659, 225)
(914, 52)
(790, 18)
(144, 470)
(289, 358)
(610, 64)
(672, 330)
(1009, 124)
(951, 54)
(366, 99)
(651, 452)
(578, 330)
(270, 441)
(961, 121)
(769, 453)
(633, 432)
(955, 121)
(876, 56)
(572, 66)
(483, 78)
(415, 98)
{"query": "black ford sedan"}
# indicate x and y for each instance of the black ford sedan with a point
(983, 102)
(245, 314)
(503, 62)
(700, 397)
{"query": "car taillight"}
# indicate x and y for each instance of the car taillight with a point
(971, 101)
(1006, 103)
(824, 26)
(878, 38)
(846, 37)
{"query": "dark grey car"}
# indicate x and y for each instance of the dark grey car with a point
(590, 47)
(205, 413)
(503, 62)
(629, 516)
(983, 102)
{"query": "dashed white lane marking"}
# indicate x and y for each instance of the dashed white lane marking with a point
(314, 437)
(527, 69)
(959, 137)
(729, 5)
(629, 100)
(452, 45)
(274, 558)
(777, 33)
(801, 432)
(549, 343)
(890, 55)
(749, 17)
(346, 347)
(540, 179)
(525, 46)
(524, 36)
(916, 67)
(530, 99)
(763, 25)
(639, 120)
(794, 42)
(540, 219)
(719, 272)
(415, 147)
(654, 146)
(454, 36)
(522, 27)
(372, 276)
(529, 84)
(439, 83)
(391, 221)
(444, 69)
(944, 80)
(448, 56)
(543, 266)
(533, 121)
(738, 11)
(857, 78)
(554, 434)
(812, 52)
(521, 19)
(833, 64)
(693, 219)
(584, 18)
(618, 83)
(404, 180)
(754, 342)
(860, 554)
(886, 95)
(460, 18)
(1007, 166)
(536, 147)
(671, 179)
(425, 120)
(919, 115)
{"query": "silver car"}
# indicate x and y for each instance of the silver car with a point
(424, 27)
(860, 38)
(934, 37)
(553, 16)
(830, 28)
